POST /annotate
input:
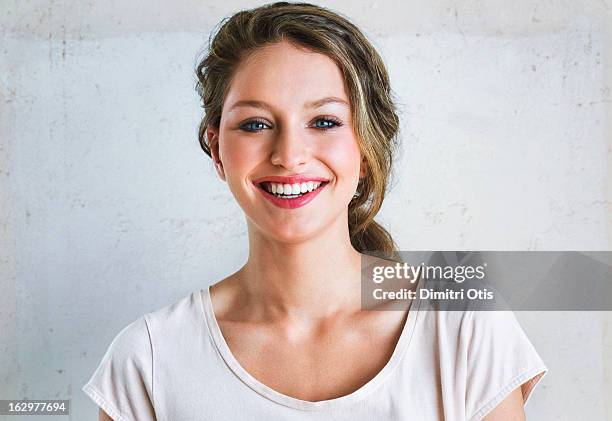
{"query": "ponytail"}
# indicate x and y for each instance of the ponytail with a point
(371, 237)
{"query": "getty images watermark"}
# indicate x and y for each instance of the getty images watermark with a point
(488, 280)
(411, 274)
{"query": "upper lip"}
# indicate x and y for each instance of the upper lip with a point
(293, 179)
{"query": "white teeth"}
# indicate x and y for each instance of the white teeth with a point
(292, 190)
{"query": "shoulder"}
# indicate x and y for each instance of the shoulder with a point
(176, 313)
(137, 335)
(176, 327)
(477, 331)
(131, 342)
(487, 342)
(137, 339)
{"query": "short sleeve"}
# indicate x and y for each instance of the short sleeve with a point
(122, 384)
(500, 359)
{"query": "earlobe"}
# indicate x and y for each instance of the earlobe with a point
(220, 170)
(363, 168)
(213, 141)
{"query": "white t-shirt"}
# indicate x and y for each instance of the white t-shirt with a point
(173, 364)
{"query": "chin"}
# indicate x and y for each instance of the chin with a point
(293, 236)
(298, 227)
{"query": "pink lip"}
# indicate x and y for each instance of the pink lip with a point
(298, 202)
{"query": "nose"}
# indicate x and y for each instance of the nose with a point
(289, 149)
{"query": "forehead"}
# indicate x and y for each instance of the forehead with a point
(286, 76)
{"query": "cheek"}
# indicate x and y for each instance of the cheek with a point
(237, 163)
(239, 156)
(343, 156)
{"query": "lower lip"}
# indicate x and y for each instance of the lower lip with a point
(297, 202)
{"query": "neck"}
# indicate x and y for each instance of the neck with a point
(310, 279)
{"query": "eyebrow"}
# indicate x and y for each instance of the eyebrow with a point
(312, 104)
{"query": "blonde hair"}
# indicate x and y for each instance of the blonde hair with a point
(375, 118)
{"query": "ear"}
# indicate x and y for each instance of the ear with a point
(363, 168)
(212, 134)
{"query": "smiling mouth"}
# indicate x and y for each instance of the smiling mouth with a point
(291, 191)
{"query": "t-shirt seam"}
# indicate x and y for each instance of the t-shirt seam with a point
(505, 390)
(209, 329)
(150, 337)
(204, 311)
(103, 402)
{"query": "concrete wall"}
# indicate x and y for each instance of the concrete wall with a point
(106, 196)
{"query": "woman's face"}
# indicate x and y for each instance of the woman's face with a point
(286, 121)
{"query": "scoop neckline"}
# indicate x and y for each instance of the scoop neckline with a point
(289, 401)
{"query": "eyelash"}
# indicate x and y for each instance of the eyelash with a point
(335, 121)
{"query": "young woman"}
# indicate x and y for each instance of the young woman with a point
(300, 124)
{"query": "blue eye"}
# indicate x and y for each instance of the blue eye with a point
(253, 125)
(334, 123)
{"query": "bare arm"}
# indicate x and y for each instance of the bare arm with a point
(510, 409)
(103, 416)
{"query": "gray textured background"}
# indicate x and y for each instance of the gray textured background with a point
(108, 208)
